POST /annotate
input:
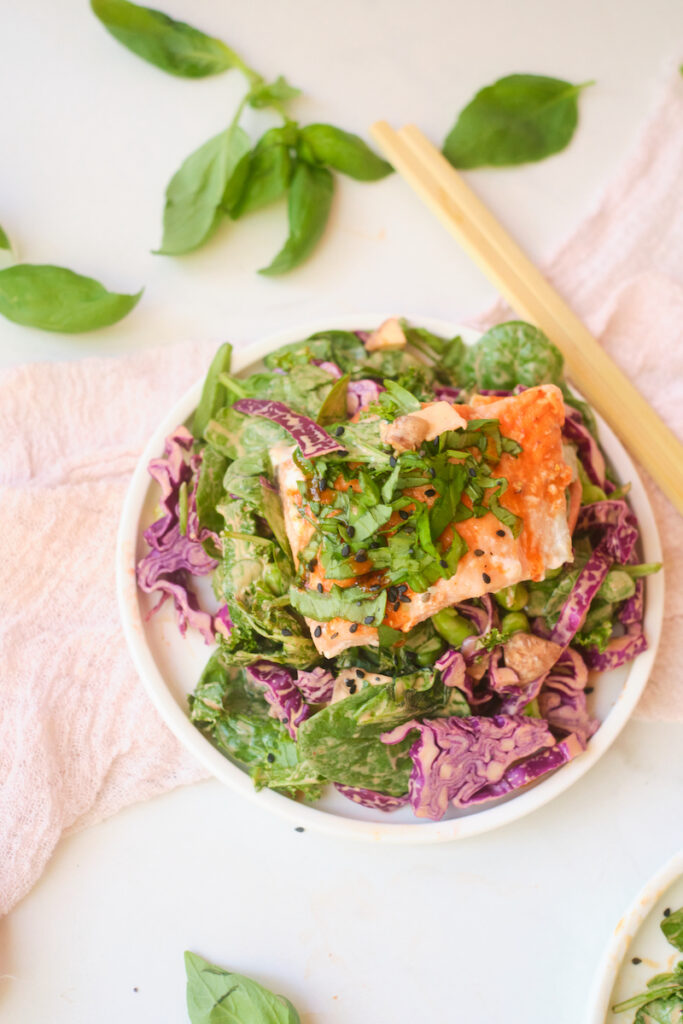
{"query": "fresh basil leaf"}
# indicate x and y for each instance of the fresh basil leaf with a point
(214, 394)
(171, 45)
(344, 152)
(57, 299)
(672, 927)
(272, 94)
(333, 408)
(4, 240)
(215, 996)
(350, 603)
(404, 401)
(518, 119)
(268, 171)
(310, 198)
(195, 192)
(662, 1011)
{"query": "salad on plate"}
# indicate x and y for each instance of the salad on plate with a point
(418, 553)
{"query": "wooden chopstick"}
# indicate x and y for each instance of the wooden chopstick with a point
(589, 367)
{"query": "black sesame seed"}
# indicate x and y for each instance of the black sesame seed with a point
(334, 636)
(589, 689)
(312, 564)
(339, 431)
(361, 555)
(286, 631)
(397, 606)
(430, 492)
(432, 472)
(351, 530)
(346, 550)
(478, 552)
(667, 912)
(472, 472)
(486, 578)
(405, 598)
(392, 594)
(342, 452)
(353, 627)
(270, 758)
(318, 631)
(299, 828)
(402, 588)
(350, 686)
(369, 619)
(636, 960)
(320, 588)
(500, 533)
(392, 461)
(443, 563)
(403, 514)
(322, 484)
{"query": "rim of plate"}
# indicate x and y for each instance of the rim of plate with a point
(624, 933)
(219, 766)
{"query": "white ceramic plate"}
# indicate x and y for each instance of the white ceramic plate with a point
(637, 935)
(170, 665)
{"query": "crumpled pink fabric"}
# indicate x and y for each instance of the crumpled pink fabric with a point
(79, 738)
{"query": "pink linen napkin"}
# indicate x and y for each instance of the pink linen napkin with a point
(79, 738)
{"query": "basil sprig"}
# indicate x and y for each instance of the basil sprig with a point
(56, 299)
(226, 177)
(215, 996)
(518, 119)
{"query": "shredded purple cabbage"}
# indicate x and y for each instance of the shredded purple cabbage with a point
(281, 693)
(562, 700)
(173, 555)
(311, 438)
(454, 758)
(316, 685)
(591, 457)
(360, 394)
(369, 798)
(529, 770)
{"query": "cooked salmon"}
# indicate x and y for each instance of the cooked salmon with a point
(537, 480)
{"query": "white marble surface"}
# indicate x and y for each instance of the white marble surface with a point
(507, 926)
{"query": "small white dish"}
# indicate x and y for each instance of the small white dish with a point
(170, 665)
(638, 935)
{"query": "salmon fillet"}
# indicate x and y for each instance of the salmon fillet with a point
(537, 478)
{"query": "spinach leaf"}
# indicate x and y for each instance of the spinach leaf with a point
(171, 45)
(672, 927)
(215, 996)
(56, 299)
(333, 408)
(268, 171)
(214, 394)
(510, 354)
(345, 152)
(520, 118)
(4, 240)
(228, 709)
(662, 1011)
(210, 489)
(272, 94)
(343, 739)
(195, 193)
(310, 198)
(341, 347)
